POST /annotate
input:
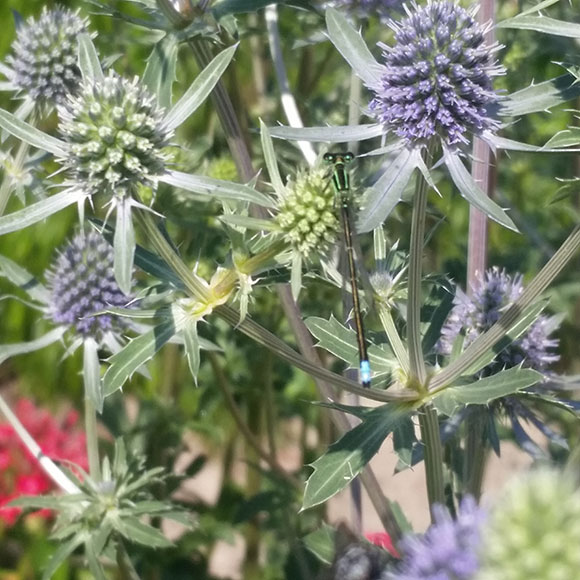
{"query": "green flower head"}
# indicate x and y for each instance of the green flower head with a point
(116, 136)
(307, 214)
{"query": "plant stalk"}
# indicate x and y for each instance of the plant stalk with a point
(92, 440)
(429, 424)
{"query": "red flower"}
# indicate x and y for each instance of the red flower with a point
(20, 472)
(383, 540)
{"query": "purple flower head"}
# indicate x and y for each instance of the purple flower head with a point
(44, 55)
(81, 283)
(448, 549)
(473, 315)
(382, 9)
(437, 79)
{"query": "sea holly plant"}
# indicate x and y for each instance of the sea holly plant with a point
(114, 140)
(437, 355)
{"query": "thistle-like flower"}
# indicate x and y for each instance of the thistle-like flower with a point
(447, 551)
(472, 315)
(82, 283)
(43, 63)
(116, 136)
(533, 530)
(436, 80)
(307, 214)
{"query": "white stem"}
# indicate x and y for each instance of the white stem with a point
(288, 102)
(51, 469)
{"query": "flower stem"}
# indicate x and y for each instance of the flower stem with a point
(475, 452)
(401, 354)
(50, 468)
(429, 424)
(92, 440)
(416, 361)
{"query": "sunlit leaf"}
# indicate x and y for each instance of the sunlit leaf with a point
(486, 390)
(160, 74)
(191, 342)
(136, 531)
(350, 44)
(341, 134)
(271, 162)
(136, 353)
(542, 24)
(385, 194)
(38, 211)
(92, 373)
(89, 62)
(31, 135)
(199, 89)
(469, 189)
(216, 188)
(23, 279)
(541, 97)
(124, 246)
(9, 350)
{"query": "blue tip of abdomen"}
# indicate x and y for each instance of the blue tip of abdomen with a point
(365, 372)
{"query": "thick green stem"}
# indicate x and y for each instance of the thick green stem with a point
(431, 439)
(92, 440)
(475, 452)
(124, 563)
(416, 361)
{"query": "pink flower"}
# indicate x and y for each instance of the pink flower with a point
(20, 472)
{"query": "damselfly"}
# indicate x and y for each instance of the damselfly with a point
(341, 183)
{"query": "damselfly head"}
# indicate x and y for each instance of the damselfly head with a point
(344, 158)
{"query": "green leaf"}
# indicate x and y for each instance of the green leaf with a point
(199, 89)
(89, 62)
(271, 163)
(9, 350)
(347, 457)
(159, 74)
(404, 439)
(124, 246)
(341, 342)
(95, 567)
(527, 318)
(568, 138)
(92, 373)
(192, 347)
(23, 279)
(474, 194)
(539, 6)
(136, 353)
(31, 135)
(541, 97)
(353, 48)
(136, 531)
(484, 391)
(542, 24)
(552, 146)
(385, 194)
(343, 134)
(38, 211)
(321, 543)
(249, 222)
(216, 188)
(63, 552)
